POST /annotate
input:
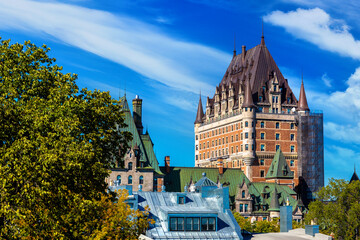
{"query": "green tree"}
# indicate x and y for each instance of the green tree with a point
(243, 222)
(337, 209)
(56, 145)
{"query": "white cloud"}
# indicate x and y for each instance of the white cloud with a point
(132, 43)
(316, 26)
(327, 81)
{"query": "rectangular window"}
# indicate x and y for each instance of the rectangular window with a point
(262, 162)
(237, 137)
(246, 124)
(262, 124)
(246, 135)
(176, 224)
(292, 137)
(277, 125)
(181, 200)
(241, 147)
(277, 136)
(277, 147)
(262, 173)
(262, 135)
(241, 208)
(292, 148)
(196, 136)
(192, 224)
(241, 136)
(262, 147)
(246, 147)
(292, 126)
(208, 224)
(246, 207)
(292, 163)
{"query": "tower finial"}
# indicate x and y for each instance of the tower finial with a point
(234, 45)
(262, 32)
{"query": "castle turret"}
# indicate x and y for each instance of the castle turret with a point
(274, 204)
(248, 112)
(302, 104)
(200, 113)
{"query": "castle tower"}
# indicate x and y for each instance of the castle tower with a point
(198, 122)
(248, 121)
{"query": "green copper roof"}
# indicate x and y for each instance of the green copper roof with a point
(279, 167)
(178, 177)
(283, 191)
(143, 141)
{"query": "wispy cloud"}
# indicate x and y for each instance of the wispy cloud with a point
(137, 45)
(327, 81)
(316, 26)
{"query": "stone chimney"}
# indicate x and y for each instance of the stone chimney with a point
(137, 113)
(167, 164)
(220, 165)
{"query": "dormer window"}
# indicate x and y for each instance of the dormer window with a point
(181, 198)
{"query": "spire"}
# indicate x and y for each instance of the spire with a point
(262, 33)
(200, 112)
(234, 55)
(248, 100)
(274, 204)
(354, 177)
(302, 104)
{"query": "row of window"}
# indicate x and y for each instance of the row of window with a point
(225, 129)
(130, 179)
(224, 152)
(277, 136)
(192, 223)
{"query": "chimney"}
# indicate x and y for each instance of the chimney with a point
(220, 165)
(167, 164)
(137, 112)
(243, 53)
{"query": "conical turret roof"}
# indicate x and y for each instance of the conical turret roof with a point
(200, 112)
(354, 177)
(248, 100)
(274, 204)
(302, 104)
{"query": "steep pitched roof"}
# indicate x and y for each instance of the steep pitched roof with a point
(257, 65)
(274, 204)
(302, 104)
(282, 190)
(200, 112)
(142, 142)
(279, 167)
(354, 177)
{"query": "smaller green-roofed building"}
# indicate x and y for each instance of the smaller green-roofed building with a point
(140, 165)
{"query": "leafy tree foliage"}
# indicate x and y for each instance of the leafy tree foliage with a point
(337, 209)
(257, 226)
(56, 145)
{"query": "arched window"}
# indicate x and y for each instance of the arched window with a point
(243, 194)
(130, 179)
(141, 180)
(130, 166)
(118, 178)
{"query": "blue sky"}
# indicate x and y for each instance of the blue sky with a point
(169, 51)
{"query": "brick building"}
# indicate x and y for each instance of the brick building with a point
(254, 113)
